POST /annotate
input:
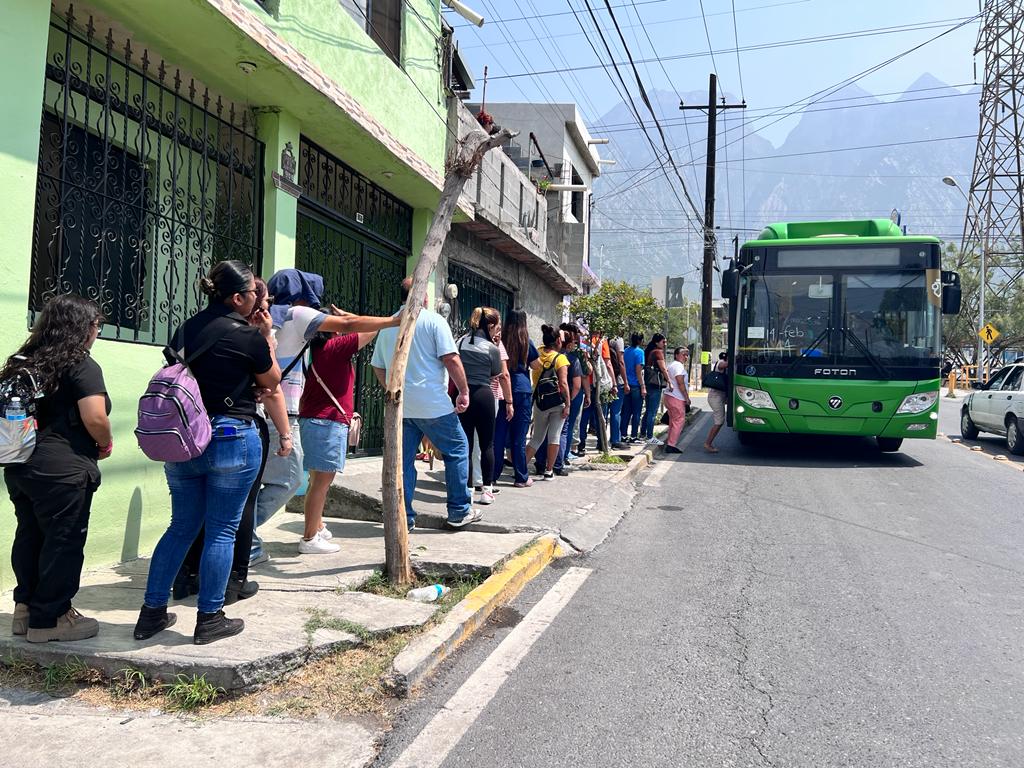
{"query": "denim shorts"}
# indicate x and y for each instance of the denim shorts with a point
(324, 445)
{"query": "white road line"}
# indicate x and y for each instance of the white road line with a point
(449, 725)
(653, 480)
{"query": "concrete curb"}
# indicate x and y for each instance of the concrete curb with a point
(418, 659)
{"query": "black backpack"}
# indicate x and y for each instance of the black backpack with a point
(546, 394)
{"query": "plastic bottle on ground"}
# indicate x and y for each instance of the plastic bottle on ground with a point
(427, 594)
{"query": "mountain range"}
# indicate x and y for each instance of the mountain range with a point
(851, 155)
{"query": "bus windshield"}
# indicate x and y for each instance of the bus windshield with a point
(878, 318)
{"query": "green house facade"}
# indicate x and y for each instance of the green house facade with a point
(144, 140)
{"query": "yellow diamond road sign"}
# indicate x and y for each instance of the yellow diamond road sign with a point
(989, 333)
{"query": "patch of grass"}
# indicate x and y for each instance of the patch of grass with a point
(59, 676)
(188, 694)
(320, 619)
(130, 683)
(607, 458)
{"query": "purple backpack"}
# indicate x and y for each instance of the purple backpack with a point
(173, 423)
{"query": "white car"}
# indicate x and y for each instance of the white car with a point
(997, 407)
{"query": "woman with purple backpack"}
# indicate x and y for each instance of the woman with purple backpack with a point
(211, 489)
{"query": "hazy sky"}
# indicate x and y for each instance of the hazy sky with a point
(771, 77)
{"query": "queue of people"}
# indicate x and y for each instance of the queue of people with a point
(276, 378)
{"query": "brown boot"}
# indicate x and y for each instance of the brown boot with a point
(19, 623)
(71, 626)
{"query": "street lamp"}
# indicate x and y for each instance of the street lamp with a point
(949, 181)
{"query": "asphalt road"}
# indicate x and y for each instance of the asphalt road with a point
(808, 603)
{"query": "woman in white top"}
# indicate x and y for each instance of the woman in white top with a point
(677, 397)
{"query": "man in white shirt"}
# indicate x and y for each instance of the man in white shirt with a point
(297, 318)
(427, 409)
(677, 397)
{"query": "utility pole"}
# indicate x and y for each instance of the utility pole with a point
(994, 224)
(712, 108)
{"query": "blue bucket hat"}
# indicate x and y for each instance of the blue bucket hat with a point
(288, 286)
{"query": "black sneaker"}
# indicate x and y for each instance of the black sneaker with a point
(215, 626)
(151, 621)
(618, 446)
(239, 589)
(561, 472)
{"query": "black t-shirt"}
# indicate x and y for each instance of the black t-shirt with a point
(239, 354)
(64, 448)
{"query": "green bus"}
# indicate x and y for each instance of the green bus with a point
(835, 327)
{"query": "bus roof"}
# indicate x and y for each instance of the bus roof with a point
(838, 230)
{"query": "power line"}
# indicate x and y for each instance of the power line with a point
(707, 34)
(632, 105)
(823, 93)
(672, 124)
(650, 108)
(494, 20)
(916, 27)
(628, 26)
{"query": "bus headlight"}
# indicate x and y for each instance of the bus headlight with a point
(755, 398)
(922, 401)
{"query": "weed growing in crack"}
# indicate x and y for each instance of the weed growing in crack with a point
(188, 694)
(319, 619)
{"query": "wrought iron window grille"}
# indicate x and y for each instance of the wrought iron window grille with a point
(475, 290)
(145, 180)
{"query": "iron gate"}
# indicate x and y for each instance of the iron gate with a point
(357, 236)
(474, 291)
(145, 180)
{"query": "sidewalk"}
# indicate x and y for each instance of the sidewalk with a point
(279, 635)
(581, 508)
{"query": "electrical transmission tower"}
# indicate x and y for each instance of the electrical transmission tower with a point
(994, 227)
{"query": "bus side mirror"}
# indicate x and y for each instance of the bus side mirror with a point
(951, 293)
(730, 283)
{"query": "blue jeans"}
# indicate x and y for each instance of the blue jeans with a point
(569, 428)
(281, 479)
(513, 435)
(448, 437)
(632, 405)
(209, 490)
(614, 411)
(651, 410)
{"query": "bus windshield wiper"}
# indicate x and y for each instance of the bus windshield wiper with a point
(862, 347)
(814, 345)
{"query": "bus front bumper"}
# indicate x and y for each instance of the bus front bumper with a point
(918, 425)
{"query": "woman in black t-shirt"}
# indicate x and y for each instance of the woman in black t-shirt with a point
(211, 489)
(52, 492)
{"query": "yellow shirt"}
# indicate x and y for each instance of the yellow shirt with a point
(546, 356)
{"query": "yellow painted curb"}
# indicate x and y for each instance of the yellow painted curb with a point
(424, 653)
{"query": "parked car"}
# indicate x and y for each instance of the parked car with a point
(997, 407)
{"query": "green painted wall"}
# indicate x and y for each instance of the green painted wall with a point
(132, 506)
(333, 40)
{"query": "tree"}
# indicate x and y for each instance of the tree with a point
(616, 309)
(466, 157)
(1004, 306)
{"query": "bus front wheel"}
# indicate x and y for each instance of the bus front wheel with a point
(889, 444)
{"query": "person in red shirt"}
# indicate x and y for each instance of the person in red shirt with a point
(325, 413)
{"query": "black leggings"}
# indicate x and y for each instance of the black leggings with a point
(479, 418)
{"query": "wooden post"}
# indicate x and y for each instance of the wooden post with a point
(468, 154)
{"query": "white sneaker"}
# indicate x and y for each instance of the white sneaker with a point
(325, 533)
(655, 441)
(317, 546)
(486, 497)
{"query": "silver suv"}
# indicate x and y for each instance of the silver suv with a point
(997, 407)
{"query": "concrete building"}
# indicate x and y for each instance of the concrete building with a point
(500, 257)
(140, 144)
(554, 143)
